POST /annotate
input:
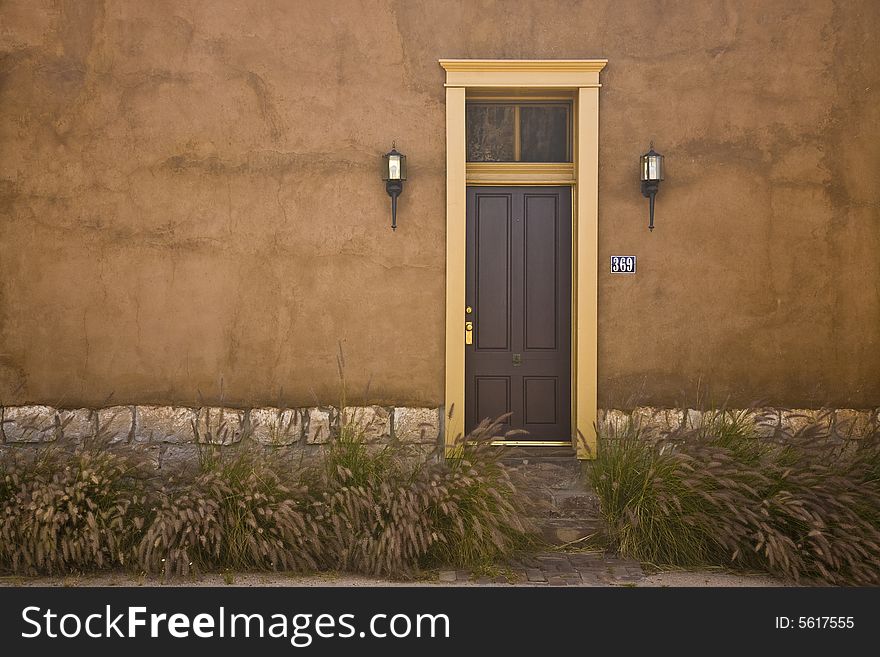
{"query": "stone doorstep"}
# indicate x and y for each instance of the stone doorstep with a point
(560, 505)
(574, 504)
(567, 531)
(545, 473)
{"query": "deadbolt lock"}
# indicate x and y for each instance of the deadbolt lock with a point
(469, 310)
(468, 332)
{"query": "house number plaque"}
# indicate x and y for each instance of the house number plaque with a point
(623, 264)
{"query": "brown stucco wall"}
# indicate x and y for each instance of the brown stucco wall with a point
(190, 194)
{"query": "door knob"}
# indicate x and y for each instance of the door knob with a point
(468, 332)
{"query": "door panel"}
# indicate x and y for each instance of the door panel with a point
(492, 395)
(518, 286)
(539, 248)
(539, 399)
(492, 293)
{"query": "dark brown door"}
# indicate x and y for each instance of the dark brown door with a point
(519, 293)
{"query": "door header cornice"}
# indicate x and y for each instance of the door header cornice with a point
(585, 65)
(523, 73)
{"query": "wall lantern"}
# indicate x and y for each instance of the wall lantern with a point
(394, 173)
(652, 174)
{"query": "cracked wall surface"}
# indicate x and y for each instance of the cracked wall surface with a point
(192, 212)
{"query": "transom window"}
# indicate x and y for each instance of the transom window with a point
(526, 131)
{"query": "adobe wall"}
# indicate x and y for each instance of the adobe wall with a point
(192, 212)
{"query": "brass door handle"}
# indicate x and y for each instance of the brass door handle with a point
(468, 332)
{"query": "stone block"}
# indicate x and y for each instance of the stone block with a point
(29, 424)
(276, 426)
(766, 421)
(150, 452)
(794, 420)
(418, 453)
(850, 423)
(115, 424)
(416, 425)
(164, 424)
(369, 424)
(642, 416)
(671, 419)
(292, 457)
(319, 423)
(825, 419)
(714, 419)
(76, 424)
(653, 420)
(177, 457)
(693, 419)
(217, 425)
(614, 423)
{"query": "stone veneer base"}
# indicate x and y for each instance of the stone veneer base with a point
(767, 421)
(172, 436)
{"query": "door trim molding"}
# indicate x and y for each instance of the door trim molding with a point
(582, 78)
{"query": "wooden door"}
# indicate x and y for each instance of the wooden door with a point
(518, 288)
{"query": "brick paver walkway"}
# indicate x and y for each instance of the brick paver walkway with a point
(558, 569)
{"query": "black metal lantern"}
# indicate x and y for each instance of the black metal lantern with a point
(394, 173)
(652, 173)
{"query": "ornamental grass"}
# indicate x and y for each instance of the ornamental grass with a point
(804, 506)
(360, 508)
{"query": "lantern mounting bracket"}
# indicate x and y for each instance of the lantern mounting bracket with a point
(394, 189)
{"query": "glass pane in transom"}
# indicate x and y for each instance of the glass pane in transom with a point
(544, 131)
(491, 132)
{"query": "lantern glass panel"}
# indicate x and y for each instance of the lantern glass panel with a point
(652, 167)
(394, 167)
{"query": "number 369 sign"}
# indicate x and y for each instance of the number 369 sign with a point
(623, 264)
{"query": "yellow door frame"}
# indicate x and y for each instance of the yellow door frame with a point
(469, 77)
